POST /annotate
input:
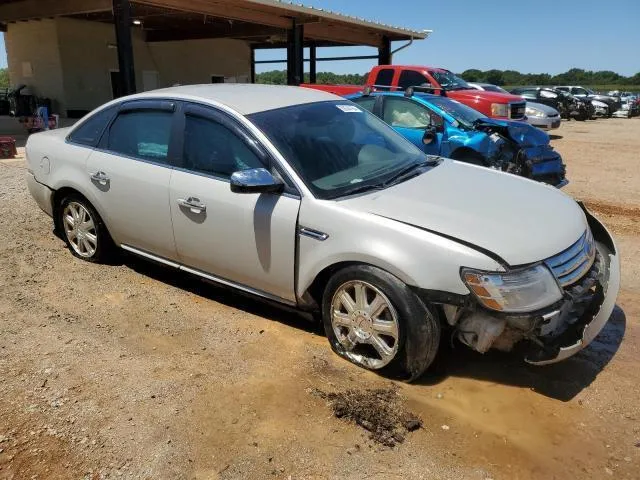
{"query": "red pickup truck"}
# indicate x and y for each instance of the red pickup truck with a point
(437, 81)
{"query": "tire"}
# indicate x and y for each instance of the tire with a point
(83, 230)
(409, 329)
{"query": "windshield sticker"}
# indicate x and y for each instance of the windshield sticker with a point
(349, 108)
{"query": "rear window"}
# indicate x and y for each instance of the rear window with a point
(384, 78)
(90, 130)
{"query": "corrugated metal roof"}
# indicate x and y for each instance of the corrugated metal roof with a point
(331, 15)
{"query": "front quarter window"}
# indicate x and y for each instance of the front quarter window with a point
(336, 146)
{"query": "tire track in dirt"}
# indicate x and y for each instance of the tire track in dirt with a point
(622, 219)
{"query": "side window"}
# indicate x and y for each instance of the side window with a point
(409, 78)
(90, 130)
(399, 112)
(547, 94)
(211, 148)
(366, 102)
(579, 91)
(141, 134)
(384, 78)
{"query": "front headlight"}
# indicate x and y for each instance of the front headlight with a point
(499, 110)
(532, 112)
(524, 290)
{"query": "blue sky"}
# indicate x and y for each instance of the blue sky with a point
(542, 36)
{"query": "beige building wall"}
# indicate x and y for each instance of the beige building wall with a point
(33, 57)
(73, 60)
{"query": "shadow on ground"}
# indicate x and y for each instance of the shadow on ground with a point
(555, 137)
(226, 296)
(561, 381)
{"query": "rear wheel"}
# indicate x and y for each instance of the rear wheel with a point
(83, 230)
(374, 320)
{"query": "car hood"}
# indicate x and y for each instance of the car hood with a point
(522, 133)
(543, 108)
(519, 220)
(493, 97)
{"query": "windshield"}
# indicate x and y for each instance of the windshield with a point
(467, 116)
(337, 146)
(450, 81)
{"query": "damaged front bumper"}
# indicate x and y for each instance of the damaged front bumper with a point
(561, 330)
(546, 165)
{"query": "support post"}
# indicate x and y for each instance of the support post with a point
(295, 54)
(253, 65)
(122, 22)
(312, 63)
(384, 52)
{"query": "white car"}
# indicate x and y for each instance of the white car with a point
(302, 197)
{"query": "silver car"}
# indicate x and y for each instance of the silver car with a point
(538, 114)
(299, 196)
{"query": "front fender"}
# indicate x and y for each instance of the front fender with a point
(418, 257)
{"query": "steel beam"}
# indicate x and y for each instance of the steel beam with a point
(122, 23)
(384, 52)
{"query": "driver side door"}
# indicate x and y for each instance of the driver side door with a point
(246, 240)
(411, 120)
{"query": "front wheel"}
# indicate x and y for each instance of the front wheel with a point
(374, 320)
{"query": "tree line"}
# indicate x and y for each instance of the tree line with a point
(574, 76)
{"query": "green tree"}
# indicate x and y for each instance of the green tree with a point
(4, 77)
(472, 75)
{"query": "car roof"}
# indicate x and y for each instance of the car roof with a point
(243, 98)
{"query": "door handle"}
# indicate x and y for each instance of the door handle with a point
(100, 177)
(193, 204)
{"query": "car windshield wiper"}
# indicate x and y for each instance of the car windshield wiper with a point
(360, 189)
(411, 170)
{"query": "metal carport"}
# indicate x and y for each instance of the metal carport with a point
(262, 23)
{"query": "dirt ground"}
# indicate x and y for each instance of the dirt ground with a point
(136, 371)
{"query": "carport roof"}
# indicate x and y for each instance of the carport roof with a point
(257, 21)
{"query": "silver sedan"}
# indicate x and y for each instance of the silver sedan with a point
(304, 198)
(542, 116)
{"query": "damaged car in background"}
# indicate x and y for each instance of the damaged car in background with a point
(304, 198)
(565, 103)
(443, 126)
(537, 114)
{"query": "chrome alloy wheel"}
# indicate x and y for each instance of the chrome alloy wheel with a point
(365, 323)
(80, 229)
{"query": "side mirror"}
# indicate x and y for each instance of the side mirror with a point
(429, 135)
(255, 180)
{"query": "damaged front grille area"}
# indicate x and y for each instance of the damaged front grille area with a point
(571, 265)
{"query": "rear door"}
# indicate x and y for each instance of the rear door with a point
(248, 240)
(130, 172)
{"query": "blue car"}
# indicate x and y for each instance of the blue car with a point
(441, 126)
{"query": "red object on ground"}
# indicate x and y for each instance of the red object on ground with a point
(399, 77)
(8, 147)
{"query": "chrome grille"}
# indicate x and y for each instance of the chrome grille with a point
(517, 110)
(570, 265)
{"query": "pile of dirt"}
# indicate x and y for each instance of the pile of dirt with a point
(380, 411)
